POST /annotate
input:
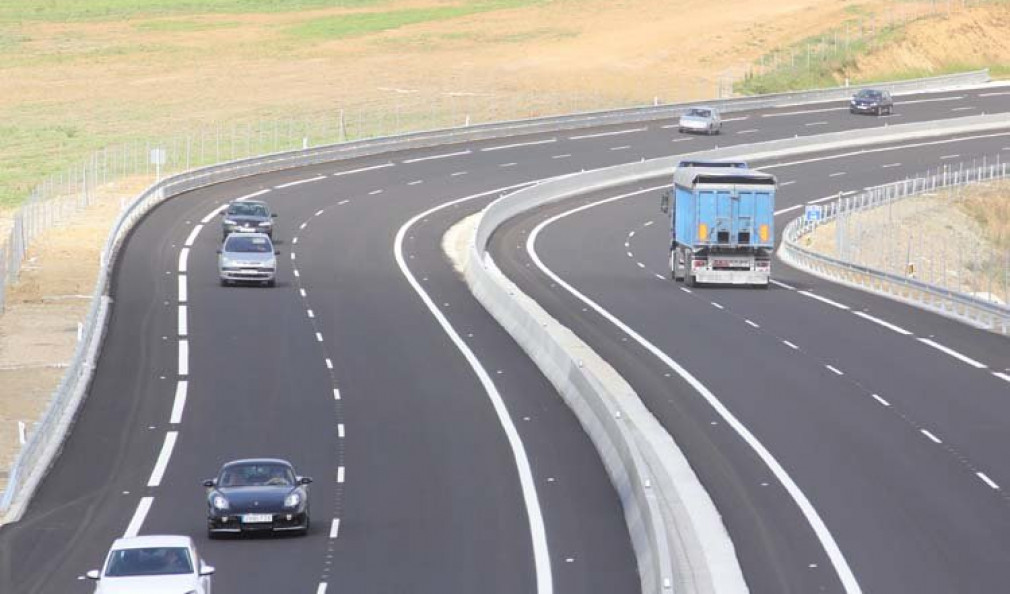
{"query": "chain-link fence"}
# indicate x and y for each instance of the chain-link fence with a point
(918, 240)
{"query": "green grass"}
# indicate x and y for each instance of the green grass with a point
(355, 25)
(184, 25)
(98, 10)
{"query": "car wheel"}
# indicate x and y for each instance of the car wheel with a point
(690, 280)
(272, 283)
(879, 110)
(224, 283)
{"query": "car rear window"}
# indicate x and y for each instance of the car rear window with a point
(149, 561)
(247, 210)
(699, 113)
(245, 244)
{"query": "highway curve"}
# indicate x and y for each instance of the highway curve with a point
(344, 370)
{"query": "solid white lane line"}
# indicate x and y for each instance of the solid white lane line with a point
(329, 363)
(322, 588)
(303, 293)
(528, 485)
(183, 260)
(717, 306)
(340, 430)
(375, 192)
(834, 370)
(880, 400)
(824, 300)
(336, 394)
(787, 183)
(790, 209)
(303, 226)
(1002, 376)
(752, 324)
(319, 337)
(620, 148)
(887, 325)
(889, 165)
(183, 321)
(361, 170)
(820, 529)
(320, 211)
(311, 314)
(790, 345)
(837, 174)
(300, 182)
(931, 437)
(183, 293)
(953, 353)
(210, 216)
(987, 480)
(335, 528)
(192, 235)
(517, 145)
(137, 521)
(340, 474)
(251, 196)
(508, 165)
(457, 174)
(343, 202)
(781, 284)
(183, 357)
(179, 404)
(434, 157)
(565, 156)
(948, 157)
(162, 463)
(602, 134)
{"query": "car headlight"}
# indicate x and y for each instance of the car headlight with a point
(219, 502)
(230, 222)
(293, 500)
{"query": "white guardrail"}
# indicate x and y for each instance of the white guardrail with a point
(974, 310)
(47, 438)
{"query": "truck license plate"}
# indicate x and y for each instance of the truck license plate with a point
(731, 263)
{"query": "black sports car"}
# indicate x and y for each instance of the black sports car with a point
(871, 101)
(257, 495)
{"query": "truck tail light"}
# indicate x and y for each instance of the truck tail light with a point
(698, 263)
(702, 232)
(763, 232)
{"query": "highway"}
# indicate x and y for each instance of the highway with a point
(436, 471)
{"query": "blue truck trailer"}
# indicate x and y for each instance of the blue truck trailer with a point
(722, 222)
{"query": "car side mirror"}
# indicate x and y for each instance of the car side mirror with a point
(94, 574)
(210, 483)
(219, 251)
(277, 252)
(206, 569)
(304, 480)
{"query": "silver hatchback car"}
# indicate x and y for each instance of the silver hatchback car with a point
(705, 120)
(247, 258)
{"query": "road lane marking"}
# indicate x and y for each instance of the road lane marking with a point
(457, 174)
(340, 430)
(834, 370)
(343, 202)
(434, 157)
(781, 284)
(931, 437)
(820, 529)
(294, 241)
(999, 94)
(210, 217)
(322, 588)
(953, 353)
(183, 293)
(751, 324)
(614, 133)
(508, 165)
(362, 170)
(686, 139)
(790, 345)
(821, 123)
(179, 404)
(183, 260)
(790, 209)
(565, 156)
(802, 112)
(889, 165)
(162, 463)
(640, 265)
(750, 131)
(293, 256)
(631, 234)
(319, 337)
(987, 480)
(787, 183)
(517, 145)
(824, 300)
(137, 521)
(883, 323)
(620, 148)
(340, 474)
(192, 235)
(739, 119)
(1002, 376)
(303, 225)
(329, 363)
(837, 174)
(630, 255)
(311, 314)
(717, 306)
(183, 357)
(320, 211)
(966, 108)
(183, 321)
(937, 100)
(948, 157)
(375, 192)
(303, 293)
(880, 400)
(300, 182)
(647, 224)
(685, 289)
(660, 276)
(251, 196)
(335, 528)
(336, 394)
(415, 182)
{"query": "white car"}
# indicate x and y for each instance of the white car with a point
(153, 565)
(705, 120)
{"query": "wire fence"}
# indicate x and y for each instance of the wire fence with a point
(919, 240)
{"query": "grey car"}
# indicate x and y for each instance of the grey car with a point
(247, 216)
(247, 258)
(700, 119)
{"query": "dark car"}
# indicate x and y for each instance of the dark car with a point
(871, 101)
(257, 495)
(247, 216)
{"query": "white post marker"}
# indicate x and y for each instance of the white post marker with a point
(22, 427)
(158, 158)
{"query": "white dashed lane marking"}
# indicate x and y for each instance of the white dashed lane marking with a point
(340, 474)
(183, 357)
(183, 293)
(717, 306)
(751, 131)
(880, 400)
(335, 528)
(834, 370)
(987, 480)
(883, 323)
(1002, 376)
(311, 314)
(303, 226)
(163, 457)
(781, 284)
(930, 436)
(319, 212)
(787, 183)
(837, 174)
(361, 170)
(303, 293)
(329, 364)
(342, 202)
(517, 145)
(602, 134)
(375, 192)
(319, 337)
(336, 394)
(620, 148)
(790, 345)
(300, 182)
(183, 320)
(508, 165)
(322, 588)
(953, 353)
(434, 157)
(824, 300)
(949, 157)
(458, 173)
(183, 260)
(137, 521)
(751, 324)
(340, 430)
(179, 404)
(561, 156)
(415, 182)
(890, 165)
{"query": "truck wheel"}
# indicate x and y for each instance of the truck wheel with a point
(690, 281)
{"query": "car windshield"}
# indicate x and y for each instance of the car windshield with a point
(868, 95)
(257, 475)
(149, 561)
(243, 209)
(699, 113)
(241, 244)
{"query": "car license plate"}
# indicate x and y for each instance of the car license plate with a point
(257, 518)
(732, 263)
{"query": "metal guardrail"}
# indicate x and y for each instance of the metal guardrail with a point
(969, 308)
(47, 437)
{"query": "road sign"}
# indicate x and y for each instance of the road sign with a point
(812, 213)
